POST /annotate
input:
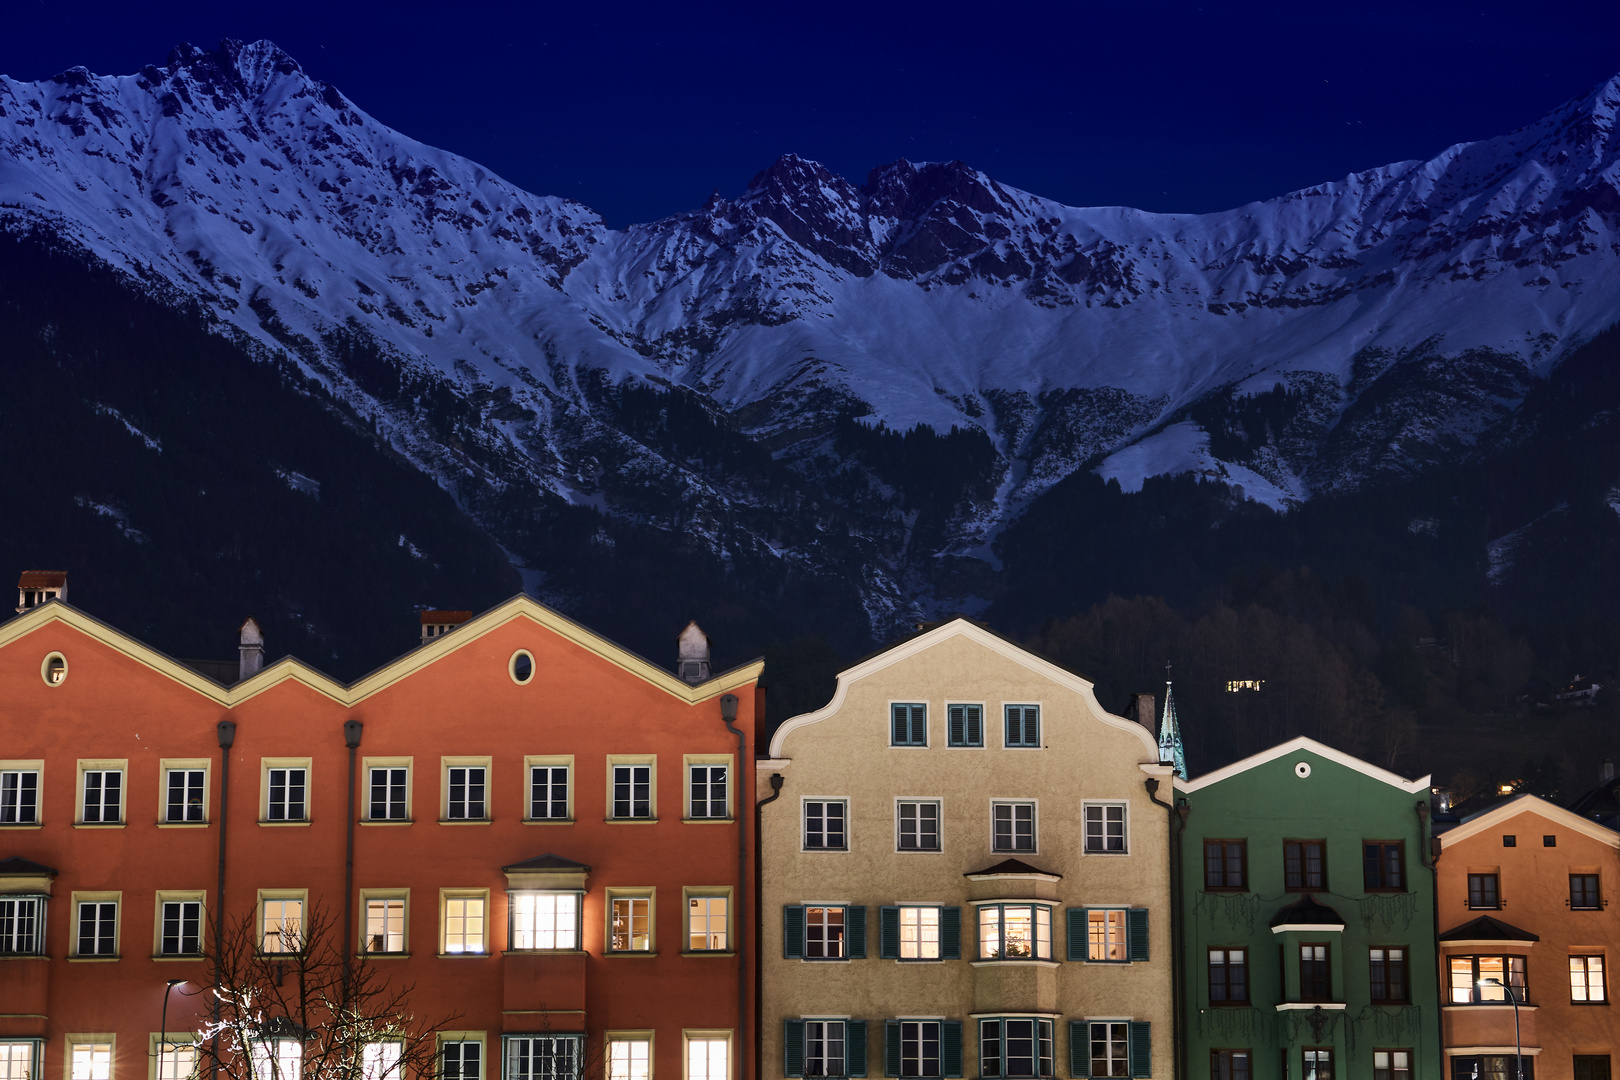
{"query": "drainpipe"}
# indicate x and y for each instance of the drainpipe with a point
(1426, 855)
(226, 730)
(351, 737)
(1172, 813)
(728, 713)
(759, 915)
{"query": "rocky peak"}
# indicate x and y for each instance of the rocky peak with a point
(814, 208)
(908, 191)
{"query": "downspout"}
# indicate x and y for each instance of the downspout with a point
(1176, 1015)
(351, 736)
(728, 713)
(759, 914)
(226, 730)
(1427, 856)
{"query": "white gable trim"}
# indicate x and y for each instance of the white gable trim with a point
(1492, 817)
(962, 628)
(1293, 746)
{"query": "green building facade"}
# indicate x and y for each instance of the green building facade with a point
(1306, 944)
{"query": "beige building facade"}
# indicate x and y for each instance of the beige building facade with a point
(965, 873)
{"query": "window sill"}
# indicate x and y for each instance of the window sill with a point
(387, 821)
(370, 956)
(467, 821)
(825, 850)
(170, 958)
(964, 746)
(541, 952)
(919, 851)
(1016, 963)
(20, 825)
(908, 746)
(182, 824)
(463, 955)
(630, 821)
(1107, 963)
(285, 824)
(99, 825)
(548, 821)
(708, 821)
(94, 959)
(1582, 1004)
(1116, 854)
(708, 952)
(640, 954)
(1014, 851)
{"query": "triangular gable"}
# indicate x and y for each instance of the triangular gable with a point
(979, 636)
(1338, 757)
(518, 607)
(1492, 817)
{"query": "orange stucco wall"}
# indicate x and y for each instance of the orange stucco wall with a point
(463, 703)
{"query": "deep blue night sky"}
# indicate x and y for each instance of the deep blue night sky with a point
(641, 110)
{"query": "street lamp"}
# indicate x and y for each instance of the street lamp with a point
(163, 1025)
(1518, 1047)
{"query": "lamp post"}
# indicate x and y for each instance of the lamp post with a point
(163, 1026)
(1518, 1047)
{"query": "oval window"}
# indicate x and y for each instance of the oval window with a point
(54, 669)
(522, 667)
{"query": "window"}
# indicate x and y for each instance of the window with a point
(1229, 976)
(1509, 840)
(387, 797)
(919, 933)
(22, 925)
(179, 924)
(708, 791)
(1392, 1065)
(1105, 935)
(709, 1058)
(824, 1048)
(966, 723)
(1023, 726)
(103, 791)
(1015, 932)
(285, 792)
(175, 1060)
(465, 925)
(277, 1059)
(1383, 867)
(824, 933)
(1105, 828)
(1590, 1067)
(1493, 1067)
(385, 924)
(1304, 865)
(98, 928)
(908, 724)
(1583, 892)
(1388, 971)
(920, 1048)
(548, 791)
(629, 1059)
(1586, 979)
(1015, 1047)
(632, 791)
(918, 826)
(381, 1061)
(1482, 892)
(90, 1061)
(630, 924)
(824, 825)
(466, 788)
(537, 1057)
(1315, 977)
(461, 1059)
(1226, 864)
(544, 920)
(1110, 1049)
(17, 1059)
(1467, 971)
(1229, 1065)
(1012, 826)
(1318, 1064)
(1549, 841)
(707, 927)
(19, 797)
(281, 924)
(183, 798)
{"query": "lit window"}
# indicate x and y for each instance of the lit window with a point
(92, 1061)
(1586, 979)
(98, 928)
(1467, 971)
(824, 825)
(632, 791)
(918, 825)
(17, 1060)
(103, 796)
(707, 1059)
(176, 1061)
(1105, 935)
(1105, 828)
(385, 925)
(919, 933)
(629, 1059)
(183, 795)
(533, 1057)
(464, 924)
(1110, 1049)
(287, 792)
(1392, 1065)
(706, 924)
(19, 797)
(824, 933)
(708, 787)
(545, 920)
(631, 927)
(387, 794)
(1012, 826)
(277, 1059)
(1015, 932)
(281, 925)
(381, 1061)
(180, 928)
(1015, 1047)
(22, 925)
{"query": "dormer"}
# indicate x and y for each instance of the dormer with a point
(436, 624)
(37, 587)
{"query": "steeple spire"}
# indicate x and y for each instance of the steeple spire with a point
(1170, 751)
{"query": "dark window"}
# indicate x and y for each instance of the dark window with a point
(287, 790)
(1583, 892)
(824, 826)
(1591, 1067)
(1023, 725)
(1013, 826)
(1383, 867)
(461, 1060)
(548, 792)
(1392, 1065)
(1318, 1063)
(966, 724)
(1110, 1049)
(909, 723)
(387, 794)
(1229, 1065)
(184, 800)
(709, 791)
(466, 801)
(101, 795)
(1226, 864)
(920, 1048)
(22, 926)
(19, 798)
(1509, 840)
(632, 791)
(1467, 971)
(1304, 865)
(1482, 892)
(1315, 977)
(1014, 1048)
(1388, 969)
(824, 1048)
(1549, 841)
(1493, 1067)
(182, 928)
(918, 826)
(1229, 976)
(98, 926)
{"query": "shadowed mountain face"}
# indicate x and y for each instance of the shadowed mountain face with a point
(729, 387)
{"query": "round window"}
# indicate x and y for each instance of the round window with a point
(521, 667)
(1302, 769)
(54, 669)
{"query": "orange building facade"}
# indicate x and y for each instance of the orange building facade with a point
(1524, 888)
(540, 832)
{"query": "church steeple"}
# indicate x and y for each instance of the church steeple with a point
(1170, 751)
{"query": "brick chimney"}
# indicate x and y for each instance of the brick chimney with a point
(692, 654)
(37, 587)
(251, 651)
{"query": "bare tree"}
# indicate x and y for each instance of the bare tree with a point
(292, 1001)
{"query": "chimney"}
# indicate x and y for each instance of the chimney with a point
(1142, 709)
(251, 651)
(692, 654)
(37, 587)
(436, 624)
(1606, 772)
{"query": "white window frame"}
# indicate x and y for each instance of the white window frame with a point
(171, 1056)
(1116, 935)
(166, 898)
(79, 899)
(75, 1069)
(377, 1063)
(183, 765)
(368, 815)
(1122, 1065)
(12, 1048)
(706, 1036)
(576, 1063)
(268, 766)
(446, 765)
(1034, 826)
(40, 906)
(386, 897)
(1036, 941)
(917, 803)
(564, 762)
(918, 1023)
(843, 932)
(632, 897)
(102, 767)
(691, 894)
(804, 821)
(616, 762)
(11, 802)
(276, 1059)
(919, 936)
(447, 899)
(627, 1069)
(842, 1068)
(1102, 806)
(461, 1039)
(537, 931)
(280, 899)
(692, 762)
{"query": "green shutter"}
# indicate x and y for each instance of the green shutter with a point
(1141, 1048)
(1136, 924)
(855, 1047)
(891, 1048)
(793, 1048)
(855, 933)
(950, 933)
(1079, 1048)
(889, 933)
(1077, 933)
(900, 722)
(975, 725)
(793, 935)
(950, 1047)
(956, 718)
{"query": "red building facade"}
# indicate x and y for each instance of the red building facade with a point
(539, 831)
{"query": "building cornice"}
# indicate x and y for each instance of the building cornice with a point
(1294, 746)
(1492, 817)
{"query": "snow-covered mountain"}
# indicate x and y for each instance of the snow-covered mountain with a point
(489, 333)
